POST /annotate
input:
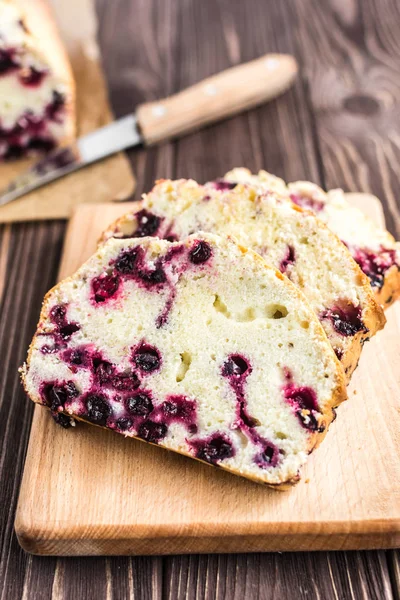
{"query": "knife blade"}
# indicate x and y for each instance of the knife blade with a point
(215, 98)
(94, 146)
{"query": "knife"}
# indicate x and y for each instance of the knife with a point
(213, 99)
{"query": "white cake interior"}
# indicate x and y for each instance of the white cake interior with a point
(200, 318)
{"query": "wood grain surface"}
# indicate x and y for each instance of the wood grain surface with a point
(86, 492)
(156, 47)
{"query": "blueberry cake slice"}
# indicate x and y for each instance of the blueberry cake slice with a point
(36, 85)
(372, 247)
(293, 240)
(197, 346)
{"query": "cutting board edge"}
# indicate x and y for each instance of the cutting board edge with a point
(375, 534)
(123, 197)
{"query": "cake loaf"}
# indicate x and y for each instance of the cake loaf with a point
(37, 94)
(197, 346)
(372, 247)
(291, 239)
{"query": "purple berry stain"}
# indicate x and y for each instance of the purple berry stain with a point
(63, 329)
(46, 349)
(126, 262)
(221, 185)
(288, 260)
(61, 419)
(216, 448)
(33, 77)
(104, 287)
(58, 314)
(67, 330)
(153, 277)
(146, 358)
(307, 202)
(147, 224)
(304, 402)
(125, 382)
(178, 409)
(123, 424)
(152, 421)
(345, 318)
(236, 366)
(105, 375)
(151, 431)
(54, 108)
(78, 357)
(8, 61)
(375, 264)
(30, 132)
(200, 252)
(162, 319)
(98, 409)
(339, 352)
(131, 264)
(103, 370)
(140, 404)
(236, 369)
(56, 394)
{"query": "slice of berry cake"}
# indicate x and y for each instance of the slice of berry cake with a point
(197, 346)
(371, 246)
(293, 240)
(37, 96)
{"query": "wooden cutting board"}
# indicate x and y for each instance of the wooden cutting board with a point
(90, 491)
(108, 180)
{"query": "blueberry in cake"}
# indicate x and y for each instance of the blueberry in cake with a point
(371, 246)
(197, 346)
(37, 100)
(291, 239)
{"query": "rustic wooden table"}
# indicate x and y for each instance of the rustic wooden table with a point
(339, 125)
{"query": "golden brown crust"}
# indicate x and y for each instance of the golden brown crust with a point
(374, 320)
(390, 291)
(43, 315)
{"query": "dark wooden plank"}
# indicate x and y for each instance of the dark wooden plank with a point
(139, 42)
(109, 578)
(151, 49)
(351, 62)
(305, 576)
(276, 136)
(350, 53)
(31, 262)
(394, 572)
(40, 579)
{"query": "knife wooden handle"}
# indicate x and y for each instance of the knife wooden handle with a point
(216, 98)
